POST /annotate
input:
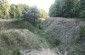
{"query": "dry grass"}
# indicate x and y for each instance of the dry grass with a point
(46, 52)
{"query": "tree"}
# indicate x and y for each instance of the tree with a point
(32, 15)
(56, 9)
(82, 8)
(67, 8)
(17, 11)
(43, 14)
(52, 10)
(12, 11)
(5, 8)
(1, 13)
(64, 8)
(76, 8)
(25, 8)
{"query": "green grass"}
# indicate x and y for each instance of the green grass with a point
(80, 19)
(81, 35)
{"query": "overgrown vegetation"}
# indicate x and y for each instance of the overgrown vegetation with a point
(19, 35)
(82, 34)
(27, 32)
(15, 41)
(68, 8)
(32, 16)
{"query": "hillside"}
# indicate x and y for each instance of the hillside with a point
(19, 36)
(67, 34)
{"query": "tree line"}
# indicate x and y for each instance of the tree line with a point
(68, 8)
(17, 11)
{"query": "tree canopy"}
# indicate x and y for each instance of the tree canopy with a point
(4, 9)
(18, 11)
(43, 13)
(68, 8)
(32, 15)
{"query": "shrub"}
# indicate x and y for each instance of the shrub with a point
(32, 15)
(57, 42)
(9, 38)
(82, 32)
(4, 51)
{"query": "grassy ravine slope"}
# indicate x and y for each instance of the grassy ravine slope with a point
(66, 34)
(19, 35)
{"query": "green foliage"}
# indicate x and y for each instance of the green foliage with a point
(57, 42)
(52, 40)
(82, 32)
(12, 11)
(81, 35)
(21, 11)
(3, 51)
(82, 14)
(68, 8)
(52, 11)
(43, 14)
(32, 15)
(4, 7)
(56, 9)
(9, 38)
(17, 11)
(1, 11)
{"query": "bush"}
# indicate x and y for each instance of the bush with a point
(32, 15)
(57, 42)
(43, 13)
(82, 32)
(9, 39)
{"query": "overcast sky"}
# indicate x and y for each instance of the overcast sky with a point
(43, 4)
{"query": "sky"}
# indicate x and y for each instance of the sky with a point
(41, 4)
